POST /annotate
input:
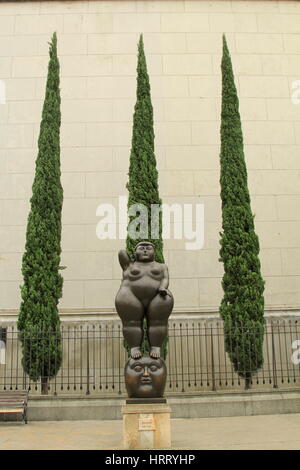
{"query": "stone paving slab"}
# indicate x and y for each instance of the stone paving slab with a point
(268, 432)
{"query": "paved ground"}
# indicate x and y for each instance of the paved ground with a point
(246, 432)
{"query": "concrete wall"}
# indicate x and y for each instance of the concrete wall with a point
(97, 43)
(206, 405)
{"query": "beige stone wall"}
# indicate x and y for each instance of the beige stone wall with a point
(97, 43)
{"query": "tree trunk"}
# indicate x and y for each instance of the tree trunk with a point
(44, 385)
(247, 382)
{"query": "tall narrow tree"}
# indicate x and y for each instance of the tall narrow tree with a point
(242, 307)
(38, 319)
(143, 176)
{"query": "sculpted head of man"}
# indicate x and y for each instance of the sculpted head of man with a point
(145, 377)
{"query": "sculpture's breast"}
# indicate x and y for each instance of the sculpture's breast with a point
(135, 272)
(155, 272)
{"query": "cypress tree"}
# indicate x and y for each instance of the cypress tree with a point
(242, 306)
(38, 320)
(143, 176)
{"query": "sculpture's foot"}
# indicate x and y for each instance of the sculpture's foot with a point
(155, 352)
(135, 353)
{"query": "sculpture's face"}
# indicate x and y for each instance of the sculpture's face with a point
(144, 252)
(145, 377)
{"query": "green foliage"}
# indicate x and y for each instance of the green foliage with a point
(242, 307)
(38, 319)
(143, 176)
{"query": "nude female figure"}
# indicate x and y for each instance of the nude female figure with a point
(144, 293)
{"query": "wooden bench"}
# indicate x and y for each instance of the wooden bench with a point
(14, 401)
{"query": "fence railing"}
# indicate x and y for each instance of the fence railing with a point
(93, 359)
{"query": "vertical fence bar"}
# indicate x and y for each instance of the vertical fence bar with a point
(249, 372)
(94, 359)
(275, 385)
(181, 351)
(297, 336)
(119, 359)
(280, 350)
(200, 354)
(81, 359)
(220, 373)
(228, 338)
(187, 355)
(268, 357)
(62, 357)
(176, 362)
(112, 356)
(207, 355)
(74, 357)
(244, 372)
(40, 339)
(17, 360)
(24, 374)
(106, 358)
(68, 350)
(49, 360)
(5, 362)
(212, 360)
(30, 359)
(12, 358)
(56, 347)
(254, 334)
(48, 340)
(169, 376)
(264, 349)
(194, 351)
(291, 341)
(286, 353)
(87, 362)
(225, 361)
(100, 358)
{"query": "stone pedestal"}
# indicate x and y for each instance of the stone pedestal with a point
(146, 424)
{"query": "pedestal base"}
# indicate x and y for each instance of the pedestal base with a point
(146, 425)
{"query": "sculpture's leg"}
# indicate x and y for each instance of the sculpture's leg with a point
(158, 313)
(131, 312)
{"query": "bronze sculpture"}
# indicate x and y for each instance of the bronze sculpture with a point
(144, 293)
(145, 377)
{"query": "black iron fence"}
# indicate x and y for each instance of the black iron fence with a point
(93, 358)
